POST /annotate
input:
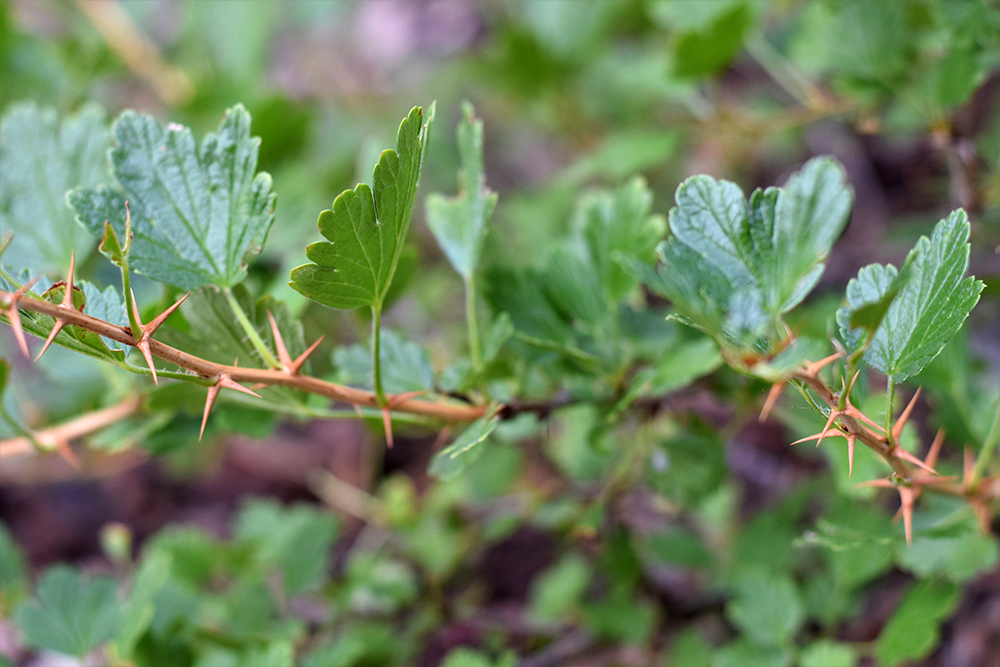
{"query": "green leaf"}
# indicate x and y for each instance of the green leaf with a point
(140, 607)
(619, 223)
(453, 459)
(460, 223)
(687, 468)
(912, 632)
(928, 309)
(72, 614)
(106, 305)
(743, 653)
(732, 267)
(197, 212)
(828, 653)
(367, 226)
(703, 52)
(296, 539)
(689, 650)
(559, 590)
(406, 365)
(678, 368)
(767, 607)
(13, 568)
(41, 159)
(957, 558)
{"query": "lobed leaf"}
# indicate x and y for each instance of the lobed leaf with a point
(41, 159)
(460, 223)
(466, 448)
(366, 227)
(197, 212)
(72, 614)
(929, 308)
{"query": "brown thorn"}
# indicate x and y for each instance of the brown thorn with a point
(67, 453)
(226, 381)
(148, 356)
(968, 466)
(772, 397)
(137, 335)
(932, 453)
(213, 392)
(149, 329)
(301, 359)
(816, 366)
(441, 439)
(357, 411)
(387, 423)
(897, 428)
(399, 399)
(52, 336)
(852, 411)
(832, 431)
(14, 316)
(67, 302)
(850, 454)
(279, 344)
(905, 455)
(906, 499)
(876, 483)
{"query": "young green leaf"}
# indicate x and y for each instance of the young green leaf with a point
(197, 212)
(912, 632)
(73, 614)
(466, 448)
(828, 653)
(732, 266)
(296, 539)
(460, 223)
(767, 607)
(928, 309)
(40, 160)
(367, 226)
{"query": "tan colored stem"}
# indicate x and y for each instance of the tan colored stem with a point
(272, 377)
(140, 55)
(74, 428)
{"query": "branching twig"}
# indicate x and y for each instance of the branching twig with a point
(202, 368)
(75, 428)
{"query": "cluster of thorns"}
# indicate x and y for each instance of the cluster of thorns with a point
(910, 476)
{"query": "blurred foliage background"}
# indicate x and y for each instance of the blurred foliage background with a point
(533, 551)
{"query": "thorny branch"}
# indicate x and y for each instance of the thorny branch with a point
(208, 370)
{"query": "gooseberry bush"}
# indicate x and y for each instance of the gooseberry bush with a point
(585, 365)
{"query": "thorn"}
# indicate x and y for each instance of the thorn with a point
(834, 413)
(67, 302)
(932, 453)
(814, 367)
(906, 456)
(67, 453)
(982, 515)
(279, 344)
(850, 454)
(146, 332)
(213, 392)
(897, 428)
(906, 500)
(357, 411)
(301, 359)
(14, 316)
(772, 397)
(387, 423)
(968, 466)
(441, 439)
(832, 432)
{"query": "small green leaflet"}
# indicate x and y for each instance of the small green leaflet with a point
(767, 607)
(913, 632)
(927, 310)
(732, 267)
(197, 212)
(460, 223)
(367, 226)
(40, 160)
(73, 614)
(456, 457)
